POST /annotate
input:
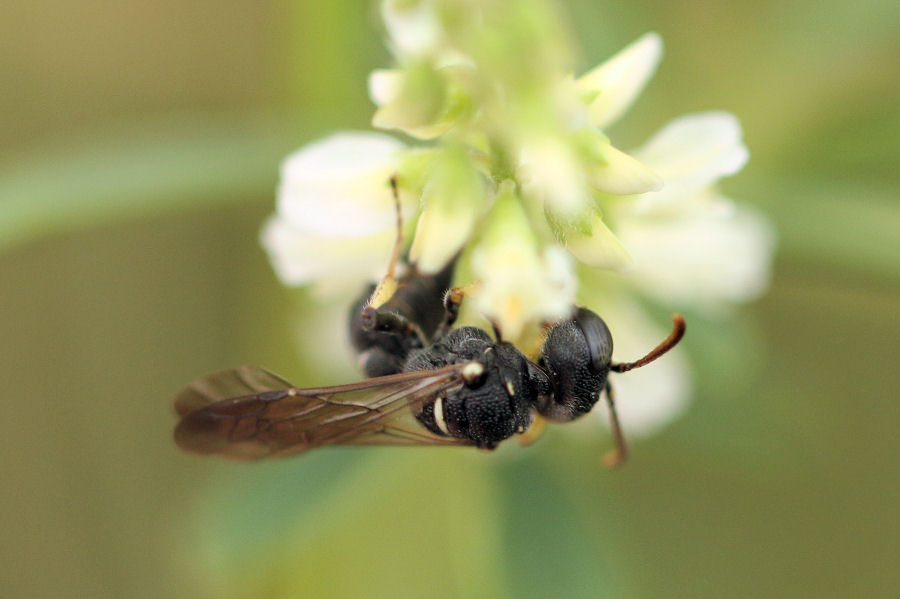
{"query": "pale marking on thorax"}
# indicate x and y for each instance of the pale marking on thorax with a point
(439, 415)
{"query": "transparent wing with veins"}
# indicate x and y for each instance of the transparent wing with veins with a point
(249, 413)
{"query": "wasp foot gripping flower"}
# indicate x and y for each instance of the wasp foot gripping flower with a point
(515, 177)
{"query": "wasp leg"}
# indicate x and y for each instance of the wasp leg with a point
(618, 455)
(390, 322)
(534, 431)
(382, 339)
(452, 302)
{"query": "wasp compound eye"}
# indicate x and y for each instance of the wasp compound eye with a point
(597, 337)
(576, 357)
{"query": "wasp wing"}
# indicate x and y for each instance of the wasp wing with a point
(249, 413)
(227, 384)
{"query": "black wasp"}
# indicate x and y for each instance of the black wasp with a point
(429, 384)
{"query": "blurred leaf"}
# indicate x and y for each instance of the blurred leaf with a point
(827, 222)
(247, 511)
(139, 169)
(549, 550)
(331, 48)
(419, 522)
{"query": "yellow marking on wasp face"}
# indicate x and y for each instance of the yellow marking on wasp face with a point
(472, 371)
(439, 415)
(510, 388)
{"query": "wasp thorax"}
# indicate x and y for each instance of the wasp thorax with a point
(496, 399)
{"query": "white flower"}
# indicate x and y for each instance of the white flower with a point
(691, 245)
(520, 179)
(565, 176)
(600, 249)
(414, 28)
(614, 85)
(412, 101)
(335, 220)
(550, 171)
(683, 244)
(423, 100)
(426, 96)
(332, 264)
(521, 284)
(691, 153)
(453, 198)
(711, 257)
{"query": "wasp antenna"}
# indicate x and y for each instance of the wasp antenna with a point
(398, 214)
(388, 285)
(670, 342)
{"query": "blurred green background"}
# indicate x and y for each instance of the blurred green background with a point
(139, 146)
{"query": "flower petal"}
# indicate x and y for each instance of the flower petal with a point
(522, 284)
(332, 263)
(453, 198)
(550, 171)
(338, 186)
(600, 249)
(440, 234)
(620, 174)
(385, 85)
(721, 254)
(424, 100)
(619, 80)
(413, 27)
(341, 155)
(691, 153)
